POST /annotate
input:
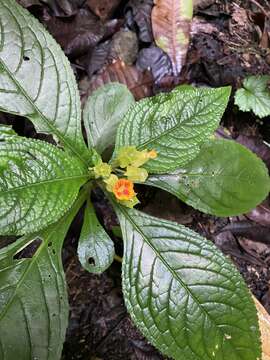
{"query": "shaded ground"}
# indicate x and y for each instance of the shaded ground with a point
(230, 40)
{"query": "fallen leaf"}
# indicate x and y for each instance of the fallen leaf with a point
(139, 83)
(171, 23)
(125, 46)
(60, 8)
(138, 16)
(261, 214)
(264, 322)
(104, 9)
(80, 33)
(156, 60)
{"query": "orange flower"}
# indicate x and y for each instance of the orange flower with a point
(152, 154)
(123, 189)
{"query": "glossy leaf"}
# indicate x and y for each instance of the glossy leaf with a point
(254, 95)
(33, 296)
(171, 20)
(225, 179)
(95, 248)
(36, 80)
(174, 124)
(102, 113)
(183, 294)
(38, 184)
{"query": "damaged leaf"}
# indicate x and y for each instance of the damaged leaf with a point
(171, 22)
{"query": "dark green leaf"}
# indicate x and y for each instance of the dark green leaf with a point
(95, 249)
(183, 294)
(33, 296)
(102, 113)
(36, 80)
(174, 124)
(38, 183)
(225, 179)
(255, 95)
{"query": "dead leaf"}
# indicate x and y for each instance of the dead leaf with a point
(77, 35)
(139, 83)
(156, 60)
(125, 46)
(264, 322)
(104, 9)
(261, 214)
(171, 23)
(138, 17)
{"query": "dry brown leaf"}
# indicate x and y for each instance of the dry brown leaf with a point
(264, 321)
(139, 83)
(103, 8)
(171, 23)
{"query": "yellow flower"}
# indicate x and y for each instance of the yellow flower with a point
(136, 174)
(102, 170)
(123, 189)
(110, 182)
(152, 154)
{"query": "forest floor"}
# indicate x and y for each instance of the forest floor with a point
(230, 39)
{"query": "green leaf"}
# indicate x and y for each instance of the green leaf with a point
(33, 296)
(254, 96)
(36, 80)
(225, 179)
(38, 183)
(103, 111)
(174, 124)
(95, 248)
(183, 294)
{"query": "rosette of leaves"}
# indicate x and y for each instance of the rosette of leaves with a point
(183, 294)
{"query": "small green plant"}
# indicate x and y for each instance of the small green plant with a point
(183, 294)
(254, 95)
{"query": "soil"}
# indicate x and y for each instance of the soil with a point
(230, 39)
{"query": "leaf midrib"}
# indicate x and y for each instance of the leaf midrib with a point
(53, 129)
(144, 145)
(45, 182)
(44, 243)
(165, 263)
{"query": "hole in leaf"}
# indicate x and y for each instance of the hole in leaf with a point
(53, 251)
(26, 58)
(29, 251)
(50, 244)
(91, 261)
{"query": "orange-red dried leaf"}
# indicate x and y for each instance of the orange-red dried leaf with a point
(171, 22)
(139, 83)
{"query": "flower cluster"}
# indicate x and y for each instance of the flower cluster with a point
(124, 170)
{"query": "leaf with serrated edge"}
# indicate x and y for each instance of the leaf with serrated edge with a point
(95, 248)
(183, 294)
(226, 179)
(33, 296)
(38, 183)
(174, 124)
(103, 111)
(254, 96)
(36, 80)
